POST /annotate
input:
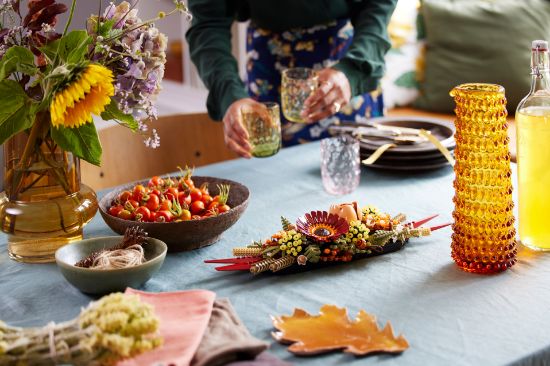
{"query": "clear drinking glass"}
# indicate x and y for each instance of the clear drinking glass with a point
(297, 85)
(340, 164)
(264, 129)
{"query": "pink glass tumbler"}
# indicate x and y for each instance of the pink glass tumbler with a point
(340, 164)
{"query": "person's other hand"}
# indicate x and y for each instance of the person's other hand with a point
(332, 94)
(235, 134)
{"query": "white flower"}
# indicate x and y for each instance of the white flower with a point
(46, 28)
(154, 141)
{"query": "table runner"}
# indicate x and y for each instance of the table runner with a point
(448, 316)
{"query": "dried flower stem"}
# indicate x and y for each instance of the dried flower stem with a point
(246, 252)
(282, 263)
(400, 217)
(137, 26)
(261, 266)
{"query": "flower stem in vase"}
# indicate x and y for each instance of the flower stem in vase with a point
(45, 205)
(14, 176)
(59, 172)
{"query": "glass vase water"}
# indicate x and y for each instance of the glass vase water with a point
(44, 205)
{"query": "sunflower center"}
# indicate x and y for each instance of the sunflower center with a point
(322, 231)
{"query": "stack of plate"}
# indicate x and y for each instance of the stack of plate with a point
(412, 156)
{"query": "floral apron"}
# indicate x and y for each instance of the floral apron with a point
(269, 53)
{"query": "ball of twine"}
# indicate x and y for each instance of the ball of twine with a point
(120, 258)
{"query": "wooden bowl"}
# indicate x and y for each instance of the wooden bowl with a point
(103, 281)
(185, 235)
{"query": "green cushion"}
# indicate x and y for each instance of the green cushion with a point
(479, 41)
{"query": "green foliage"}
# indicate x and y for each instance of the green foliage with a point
(17, 59)
(113, 113)
(255, 244)
(82, 141)
(106, 27)
(381, 237)
(313, 253)
(17, 110)
(71, 48)
(287, 225)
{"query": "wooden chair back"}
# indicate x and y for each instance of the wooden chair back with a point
(191, 139)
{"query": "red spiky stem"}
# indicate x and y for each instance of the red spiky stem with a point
(418, 223)
(434, 228)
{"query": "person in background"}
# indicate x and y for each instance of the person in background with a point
(345, 40)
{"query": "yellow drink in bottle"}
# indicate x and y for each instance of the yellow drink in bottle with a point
(533, 138)
(533, 145)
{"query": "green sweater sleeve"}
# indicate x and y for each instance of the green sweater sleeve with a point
(363, 63)
(209, 39)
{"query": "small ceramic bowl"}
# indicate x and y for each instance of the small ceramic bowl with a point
(185, 235)
(99, 281)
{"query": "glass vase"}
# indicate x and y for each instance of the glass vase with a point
(483, 239)
(43, 206)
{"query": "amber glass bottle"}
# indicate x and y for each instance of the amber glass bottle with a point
(483, 239)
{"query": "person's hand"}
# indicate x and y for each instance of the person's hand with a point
(332, 94)
(235, 134)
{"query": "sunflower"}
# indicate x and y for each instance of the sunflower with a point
(73, 105)
(322, 226)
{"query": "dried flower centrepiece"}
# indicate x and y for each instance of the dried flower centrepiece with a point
(319, 236)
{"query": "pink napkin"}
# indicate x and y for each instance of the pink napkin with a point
(184, 316)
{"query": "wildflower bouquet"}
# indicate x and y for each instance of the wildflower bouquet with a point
(52, 83)
(113, 328)
(342, 234)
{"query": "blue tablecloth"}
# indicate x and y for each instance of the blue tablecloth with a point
(448, 316)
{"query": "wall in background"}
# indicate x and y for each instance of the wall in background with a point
(171, 26)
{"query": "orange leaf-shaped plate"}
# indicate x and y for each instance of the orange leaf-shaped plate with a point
(333, 330)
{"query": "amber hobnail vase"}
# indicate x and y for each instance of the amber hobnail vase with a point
(483, 239)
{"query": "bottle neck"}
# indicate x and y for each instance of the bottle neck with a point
(540, 70)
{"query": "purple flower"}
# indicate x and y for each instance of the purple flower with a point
(140, 71)
(136, 70)
(109, 11)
